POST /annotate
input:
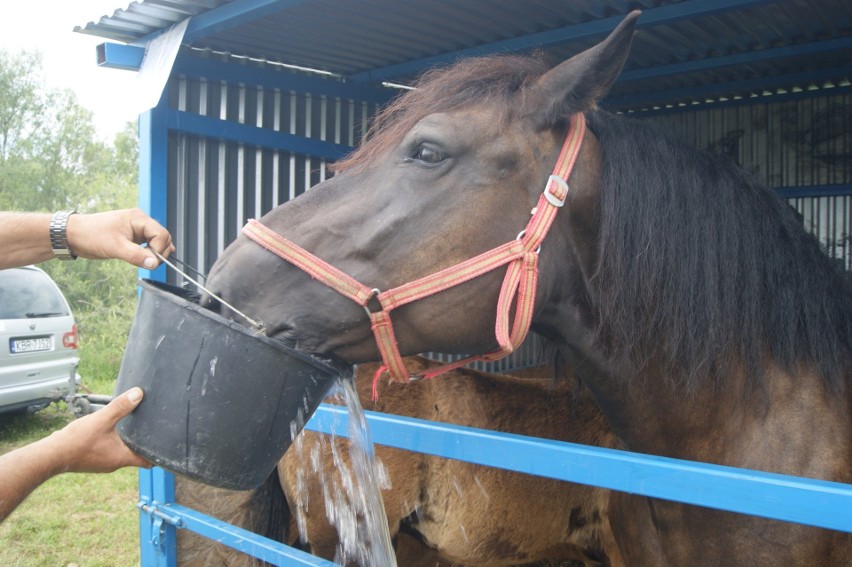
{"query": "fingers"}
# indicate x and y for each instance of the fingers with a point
(122, 405)
(142, 257)
(118, 408)
(146, 229)
(134, 460)
(159, 240)
(91, 443)
(118, 234)
(134, 254)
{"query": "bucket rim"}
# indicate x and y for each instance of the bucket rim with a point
(169, 292)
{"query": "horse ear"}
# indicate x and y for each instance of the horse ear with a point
(578, 83)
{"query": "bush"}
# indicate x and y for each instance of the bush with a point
(102, 295)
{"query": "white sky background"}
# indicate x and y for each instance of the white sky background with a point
(69, 59)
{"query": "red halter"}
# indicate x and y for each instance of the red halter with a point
(521, 255)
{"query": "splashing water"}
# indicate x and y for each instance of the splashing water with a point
(352, 491)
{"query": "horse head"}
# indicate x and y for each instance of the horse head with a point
(450, 170)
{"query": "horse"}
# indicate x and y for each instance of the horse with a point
(469, 514)
(706, 322)
(440, 512)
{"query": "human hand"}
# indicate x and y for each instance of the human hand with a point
(91, 444)
(117, 234)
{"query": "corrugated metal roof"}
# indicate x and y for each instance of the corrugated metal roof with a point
(684, 50)
(146, 18)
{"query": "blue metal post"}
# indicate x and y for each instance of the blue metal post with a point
(156, 487)
(147, 554)
(153, 169)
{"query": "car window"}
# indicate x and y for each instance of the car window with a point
(29, 294)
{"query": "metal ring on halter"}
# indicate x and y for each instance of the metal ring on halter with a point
(376, 291)
(521, 235)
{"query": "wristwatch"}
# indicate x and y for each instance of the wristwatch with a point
(59, 235)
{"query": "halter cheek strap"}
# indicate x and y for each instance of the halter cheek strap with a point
(521, 256)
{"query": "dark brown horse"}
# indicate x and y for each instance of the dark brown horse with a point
(441, 512)
(706, 322)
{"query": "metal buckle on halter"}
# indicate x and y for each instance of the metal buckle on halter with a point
(551, 198)
(375, 297)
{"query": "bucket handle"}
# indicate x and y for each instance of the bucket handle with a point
(258, 325)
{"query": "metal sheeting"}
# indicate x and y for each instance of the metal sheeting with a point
(140, 19)
(801, 147)
(830, 220)
(530, 354)
(684, 50)
(215, 185)
(791, 143)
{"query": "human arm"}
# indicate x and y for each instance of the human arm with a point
(88, 444)
(25, 237)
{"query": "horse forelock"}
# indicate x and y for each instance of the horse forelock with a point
(490, 80)
(703, 269)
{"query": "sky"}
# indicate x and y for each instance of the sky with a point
(69, 59)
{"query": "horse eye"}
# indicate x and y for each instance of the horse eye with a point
(428, 154)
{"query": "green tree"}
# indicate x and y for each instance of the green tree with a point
(51, 159)
(21, 105)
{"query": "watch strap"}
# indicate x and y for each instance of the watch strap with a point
(59, 235)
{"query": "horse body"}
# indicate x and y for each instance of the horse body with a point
(778, 431)
(470, 514)
(704, 320)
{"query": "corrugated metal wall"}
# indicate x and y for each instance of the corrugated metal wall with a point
(830, 219)
(792, 146)
(215, 185)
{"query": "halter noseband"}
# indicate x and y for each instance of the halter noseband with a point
(521, 255)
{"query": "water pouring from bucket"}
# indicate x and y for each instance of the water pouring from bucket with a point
(351, 489)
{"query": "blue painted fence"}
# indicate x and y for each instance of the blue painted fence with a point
(780, 497)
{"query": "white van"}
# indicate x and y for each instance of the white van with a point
(38, 341)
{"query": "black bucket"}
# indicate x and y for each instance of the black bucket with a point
(222, 402)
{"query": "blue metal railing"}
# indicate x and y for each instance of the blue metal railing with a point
(794, 499)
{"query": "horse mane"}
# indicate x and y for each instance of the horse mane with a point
(492, 80)
(705, 270)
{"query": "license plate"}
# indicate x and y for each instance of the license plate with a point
(34, 344)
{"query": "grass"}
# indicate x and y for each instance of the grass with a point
(103, 336)
(80, 520)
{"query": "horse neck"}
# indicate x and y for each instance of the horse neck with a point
(793, 425)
